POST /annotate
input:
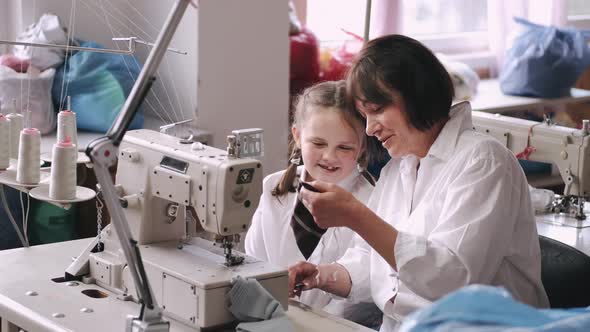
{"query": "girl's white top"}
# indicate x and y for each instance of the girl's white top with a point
(270, 237)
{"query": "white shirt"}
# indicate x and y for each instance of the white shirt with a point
(464, 216)
(270, 237)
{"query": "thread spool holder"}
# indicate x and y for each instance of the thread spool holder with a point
(40, 191)
(81, 159)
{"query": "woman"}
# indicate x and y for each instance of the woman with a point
(451, 208)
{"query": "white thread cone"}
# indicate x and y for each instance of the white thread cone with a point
(66, 127)
(16, 125)
(4, 142)
(29, 157)
(63, 171)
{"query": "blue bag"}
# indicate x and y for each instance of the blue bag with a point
(98, 84)
(544, 61)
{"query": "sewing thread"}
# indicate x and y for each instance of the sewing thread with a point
(66, 127)
(4, 142)
(16, 125)
(63, 171)
(29, 157)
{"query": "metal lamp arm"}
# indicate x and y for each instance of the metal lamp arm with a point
(103, 153)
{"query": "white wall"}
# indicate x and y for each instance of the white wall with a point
(9, 22)
(238, 58)
(243, 71)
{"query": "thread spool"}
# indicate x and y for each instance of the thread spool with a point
(29, 157)
(63, 171)
(66, 127)
(16, 125)
(4, 142)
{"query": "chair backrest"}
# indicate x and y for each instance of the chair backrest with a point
(565, 272)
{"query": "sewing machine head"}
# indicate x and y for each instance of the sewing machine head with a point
(164, 180)
(566, 148)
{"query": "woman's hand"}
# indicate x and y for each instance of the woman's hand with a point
(332, 206)
(302, 276)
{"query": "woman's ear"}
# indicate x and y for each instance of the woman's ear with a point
(296, 136)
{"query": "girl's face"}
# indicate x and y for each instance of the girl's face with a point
(329, 146)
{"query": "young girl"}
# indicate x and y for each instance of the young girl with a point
(329, 145)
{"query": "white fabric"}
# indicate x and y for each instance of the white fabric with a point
(270, 237)
(47, 30)
(465, 79)
(36, 96)
(464, 217)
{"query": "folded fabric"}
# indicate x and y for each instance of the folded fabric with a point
(465, 80)
(47, 30)
(485, 308)
(255, 307)
(541, 198)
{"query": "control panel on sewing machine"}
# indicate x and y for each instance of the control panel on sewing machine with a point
(567, 148)
(170, 190)
(164, 176)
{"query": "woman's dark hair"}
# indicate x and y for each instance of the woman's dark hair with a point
(329, 97)
(402, 64)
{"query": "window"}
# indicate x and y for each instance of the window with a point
(449, 26)
(425, 17)
(327, 25)
(421, 19)
(455, 27)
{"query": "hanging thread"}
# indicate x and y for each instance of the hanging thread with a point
(63, 171)
(529, 148)
(29, 157)
(4, 142)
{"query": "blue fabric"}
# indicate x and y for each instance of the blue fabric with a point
(533, 167)
(98, 84)
(544, 61)
(481, 308)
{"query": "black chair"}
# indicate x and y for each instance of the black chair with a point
(565, 272)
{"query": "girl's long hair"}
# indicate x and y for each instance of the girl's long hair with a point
(322, 97)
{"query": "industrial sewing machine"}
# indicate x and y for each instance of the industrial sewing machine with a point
(169, 188)
(150, 256)
(567, 148)
(151, 273)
